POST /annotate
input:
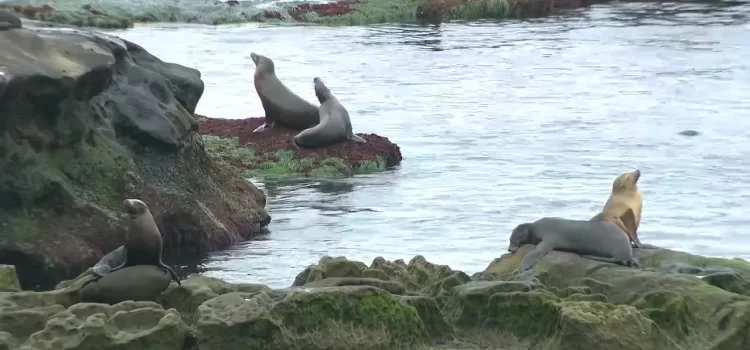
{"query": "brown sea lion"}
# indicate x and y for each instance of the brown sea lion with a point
(137, 283)
(280, 104)
(624, 205)
(335, 125)
(143, 243)
(9, 20)
(596, 240)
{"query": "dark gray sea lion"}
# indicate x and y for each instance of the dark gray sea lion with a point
(280, 104)
(335, 125)
(143, 242)
(9, 20)
(110, 261)
(137, 283)
(598, 240)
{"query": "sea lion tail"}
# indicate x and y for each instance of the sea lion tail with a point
(357, 138)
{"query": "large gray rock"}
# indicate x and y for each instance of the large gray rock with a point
(87, 120)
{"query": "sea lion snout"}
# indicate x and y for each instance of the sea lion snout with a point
(512, 249)
(636, 175)
(255, 57)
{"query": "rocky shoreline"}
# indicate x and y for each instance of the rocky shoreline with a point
(106, 14)
(678, 301)
(271, 154)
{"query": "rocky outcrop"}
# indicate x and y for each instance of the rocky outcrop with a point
(116, 14)
(87, 120)
(271, 153)
(677, 301)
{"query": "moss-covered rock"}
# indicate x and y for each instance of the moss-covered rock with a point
(8, 279)
(117, 126)
(272, 155)
(118, 14)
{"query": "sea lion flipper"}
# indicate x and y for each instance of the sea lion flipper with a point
(535, 255)
(628, 222)
(357, 138)
(171, 272)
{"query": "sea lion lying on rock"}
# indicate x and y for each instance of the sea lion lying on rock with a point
(136, 283)
(9, 20)
(597, 240)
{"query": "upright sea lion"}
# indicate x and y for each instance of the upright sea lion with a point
(137, 283)
(624, 205)
(143, 242)
(335, 125)
(9, 20)
(598, 240)
(280, 104)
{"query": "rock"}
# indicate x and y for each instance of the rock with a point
(123, 326)
(9, 20)
(388, 286)
(9, 279)
(93, 120)
(272, 154)
(355, 317)
(665, 305)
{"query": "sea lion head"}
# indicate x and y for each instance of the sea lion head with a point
(626, 181)
(262, 63)
(135, 207)
(321, 90)
(521, 235)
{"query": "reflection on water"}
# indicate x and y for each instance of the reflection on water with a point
(499, 123)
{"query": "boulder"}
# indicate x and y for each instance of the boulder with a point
(271, 153)
(8, 279)
(88, 120)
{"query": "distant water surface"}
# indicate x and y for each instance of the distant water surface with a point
(499, 123)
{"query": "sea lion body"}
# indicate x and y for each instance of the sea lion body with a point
(335, 125)
(624, 205)
(9, 20)
(137, 283)
(280, 104)
(598, 240)
(143, 242)
(110, 261)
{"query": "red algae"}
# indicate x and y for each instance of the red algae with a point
(337, 8)
(270, 141)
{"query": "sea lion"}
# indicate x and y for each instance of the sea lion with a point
(624, 205)
(137, 283)
(111, 260)
(280, 104)
(9, 20)
(597, 240)
(335, 125)
(143, 242)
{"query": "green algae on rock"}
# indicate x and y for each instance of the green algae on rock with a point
(119, 14)
(270, 154)
(573, 303)
(94, 120)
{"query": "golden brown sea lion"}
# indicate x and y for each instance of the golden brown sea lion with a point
(624, 205)
(143, 242)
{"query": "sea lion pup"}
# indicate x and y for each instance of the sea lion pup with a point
(280, 104)
(624, 205)
(597, 240)
(9, 20)
(143, 242)
(335, 125)
(137, 283)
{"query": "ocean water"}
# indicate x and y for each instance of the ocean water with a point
(499, 123)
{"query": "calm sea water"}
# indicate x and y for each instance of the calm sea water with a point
(499, 123)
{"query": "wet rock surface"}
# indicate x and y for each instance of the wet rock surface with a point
(564, 302)
(88, 120)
